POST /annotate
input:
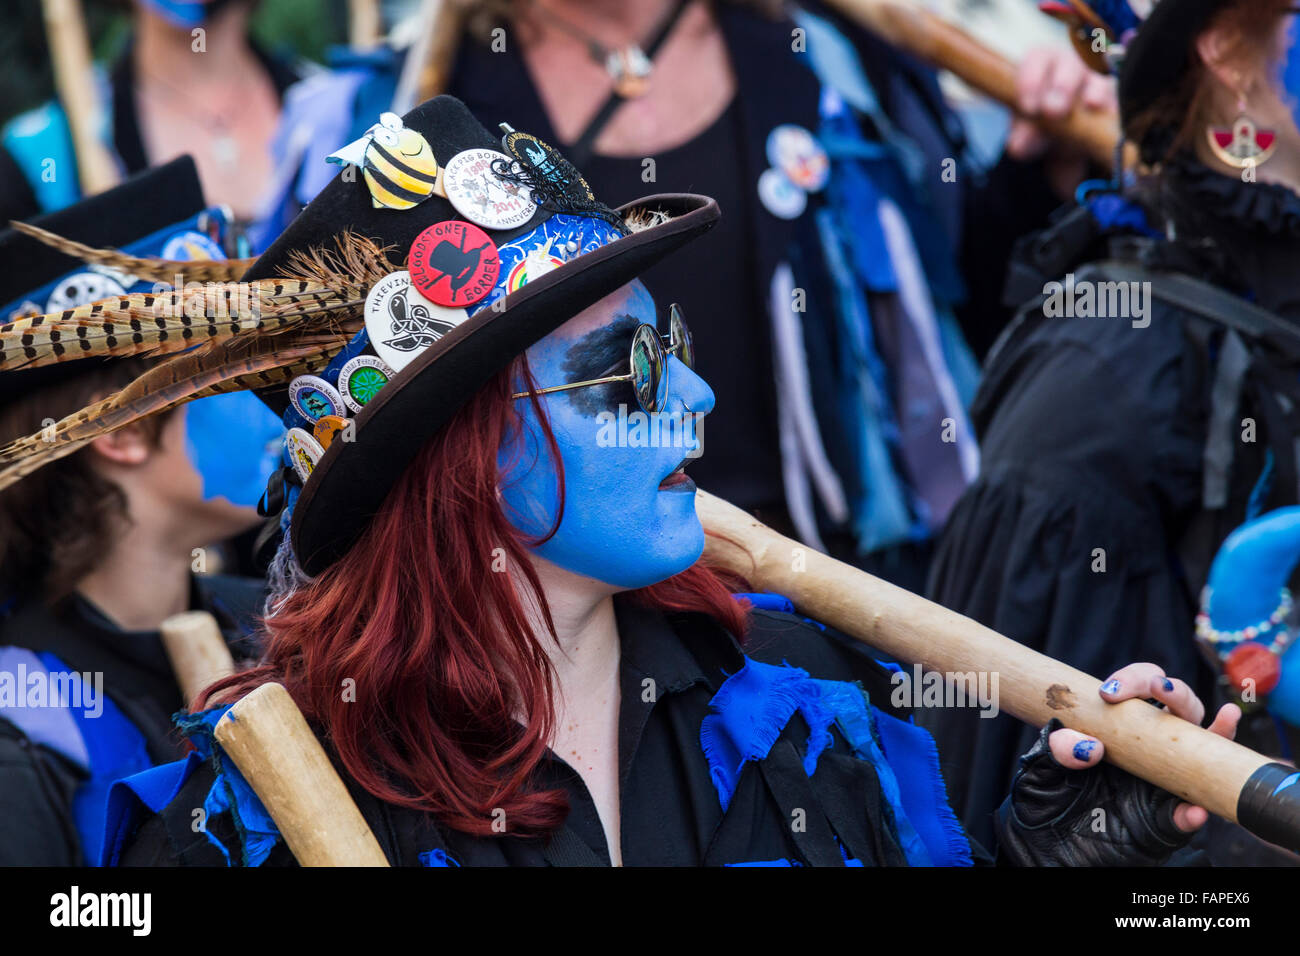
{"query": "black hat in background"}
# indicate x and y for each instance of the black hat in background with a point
(146, 203)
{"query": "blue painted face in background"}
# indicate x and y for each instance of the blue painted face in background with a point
(234, 442)
(629, 515)
(1291, 66)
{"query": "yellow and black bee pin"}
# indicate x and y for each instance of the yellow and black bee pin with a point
(397, 163)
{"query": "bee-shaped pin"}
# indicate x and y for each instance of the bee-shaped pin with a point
(397, 163)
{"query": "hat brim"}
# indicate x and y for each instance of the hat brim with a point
(350, 482)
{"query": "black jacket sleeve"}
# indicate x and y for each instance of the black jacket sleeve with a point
(1068, 540)
(36, 789)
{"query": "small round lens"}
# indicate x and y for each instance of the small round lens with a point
(648, 369)
(680, 336)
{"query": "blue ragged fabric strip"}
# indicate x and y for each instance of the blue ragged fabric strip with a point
(437, 858)
(753, 706)
(771, 863)
(257, 832)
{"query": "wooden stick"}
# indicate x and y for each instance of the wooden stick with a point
(1224, 777)
(445, 26)
(365, 26)
(267, 737)
(947, 47)
(197, 650)
(74, 78)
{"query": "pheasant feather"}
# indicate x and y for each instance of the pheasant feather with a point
(159, 270)
(209, 370)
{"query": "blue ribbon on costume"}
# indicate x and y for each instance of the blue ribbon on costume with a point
(257, 832)
(753, 706)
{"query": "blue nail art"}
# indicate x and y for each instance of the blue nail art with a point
(1083, 749)
(1110, 687)
(1169, 685)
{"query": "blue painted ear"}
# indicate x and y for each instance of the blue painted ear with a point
(1251, 569)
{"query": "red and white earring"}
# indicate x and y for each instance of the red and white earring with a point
(1243, 144)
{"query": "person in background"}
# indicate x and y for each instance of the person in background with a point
(215, 96)
(1123, 439)
(98, 547)
(829, 291)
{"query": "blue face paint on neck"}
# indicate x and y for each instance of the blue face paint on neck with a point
(234, 442)
(619, 526)
(185, 14)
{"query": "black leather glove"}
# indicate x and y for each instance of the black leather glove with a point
(1051, 818)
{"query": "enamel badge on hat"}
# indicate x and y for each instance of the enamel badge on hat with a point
(398, 163)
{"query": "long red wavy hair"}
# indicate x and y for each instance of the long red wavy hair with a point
(416, 659)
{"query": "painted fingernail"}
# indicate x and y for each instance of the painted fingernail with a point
(1169, 685)
(1083, 750)
(1110, 687)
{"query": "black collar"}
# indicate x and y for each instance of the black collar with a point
(676, 651)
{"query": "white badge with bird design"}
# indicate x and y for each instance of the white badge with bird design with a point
(401, 323)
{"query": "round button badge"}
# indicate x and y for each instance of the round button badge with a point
(401, 323)
(782, 198)
(304, 452)
(361, 379)
(81, 289)
(453, 263)
(796, 152)
(480, 195)
(314, 398)
(328, 428)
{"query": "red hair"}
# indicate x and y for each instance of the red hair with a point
(439, 650)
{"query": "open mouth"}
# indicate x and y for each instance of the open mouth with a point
(677, 480)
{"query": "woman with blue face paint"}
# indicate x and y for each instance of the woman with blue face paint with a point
(1141, 405)
(98, 547)
(490, 605)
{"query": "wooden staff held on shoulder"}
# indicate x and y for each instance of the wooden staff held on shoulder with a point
(1200, 767)
(907, 26)
(277, 753)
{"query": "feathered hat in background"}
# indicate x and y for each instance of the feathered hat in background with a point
(160, 212)
(437, 255)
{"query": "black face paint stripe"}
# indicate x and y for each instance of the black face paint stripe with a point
(392, 187)
(401, 167)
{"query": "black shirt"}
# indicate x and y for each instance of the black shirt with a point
(670, 812)
(17, 201)
(37, 784)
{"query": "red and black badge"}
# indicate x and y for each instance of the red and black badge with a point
(454, 263)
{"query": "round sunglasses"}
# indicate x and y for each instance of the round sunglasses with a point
(647, 363)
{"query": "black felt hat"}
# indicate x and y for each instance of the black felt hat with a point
(1158, 56)
(145, 204)
(347, 486)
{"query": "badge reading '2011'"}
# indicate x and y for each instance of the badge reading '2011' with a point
(481, 196)
(401, 323)
(453, 263)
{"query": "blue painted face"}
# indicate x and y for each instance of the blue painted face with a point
(629, 514)
(184, 14)
(234, 442)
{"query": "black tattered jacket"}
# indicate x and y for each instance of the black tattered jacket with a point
(670, 809)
